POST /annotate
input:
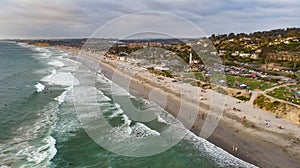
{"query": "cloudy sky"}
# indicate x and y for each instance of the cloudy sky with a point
(80, 18)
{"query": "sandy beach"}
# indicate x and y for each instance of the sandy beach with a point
(244, 134)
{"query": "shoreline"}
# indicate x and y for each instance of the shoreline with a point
(253, 149)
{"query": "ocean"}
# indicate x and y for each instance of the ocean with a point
(41, 127)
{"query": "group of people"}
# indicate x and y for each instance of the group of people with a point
(236, 109)
(234, 148)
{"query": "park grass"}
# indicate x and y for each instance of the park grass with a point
(252, 83)
(285, 93)
(195, 75)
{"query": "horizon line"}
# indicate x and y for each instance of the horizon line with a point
(70, 38)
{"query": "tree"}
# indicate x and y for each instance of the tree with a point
(231, 35)
(213, 37)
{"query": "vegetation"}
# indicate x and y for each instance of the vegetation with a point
(162, 73)
(265, 103)
(268, 45)
(252, 83)
(264, 35)
(220, 90)
(195, 75)
(286, 93)
(243, 98)
(263, 44)
(281, 109)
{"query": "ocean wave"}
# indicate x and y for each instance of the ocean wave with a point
(61, 98)
(32, 141)
(41, 49)
(39, 87)
(141, 130)
(122, 132)
(67, 123)
(220, 156)
(56, 63)
(102, 79)
(62, 79)
(36, 155)
(64, 67)
(160, 119)
(111, 86)
(137, 129)
(101, 97)
(116, 112)
(45, 55)
(126, 120)
(51, 145)
(24, 45)
(127, 129)
(69, 64)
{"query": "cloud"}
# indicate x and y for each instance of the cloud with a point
(80, 18)
(149, 23)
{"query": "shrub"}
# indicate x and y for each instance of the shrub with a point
(243, 98)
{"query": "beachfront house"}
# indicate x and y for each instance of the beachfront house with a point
(122, 56)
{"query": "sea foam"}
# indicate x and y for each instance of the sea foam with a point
(39, 87)
(43, 153)
(56, 63)
(220, 156)
(39, 153)
(141, 130)
(161, 120)
(63, 79)
(61, 97)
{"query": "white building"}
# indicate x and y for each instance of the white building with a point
(244, 55)
(191, 58)
(162, 68)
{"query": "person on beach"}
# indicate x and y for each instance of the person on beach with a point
(234, 148)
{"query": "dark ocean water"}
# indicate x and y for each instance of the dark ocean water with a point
(40, 126)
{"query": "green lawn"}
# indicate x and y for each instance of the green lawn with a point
(252, 83)
(285, 93)
(199, 76)
(195, 75)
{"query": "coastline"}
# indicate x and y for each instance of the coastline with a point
(253, 148)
